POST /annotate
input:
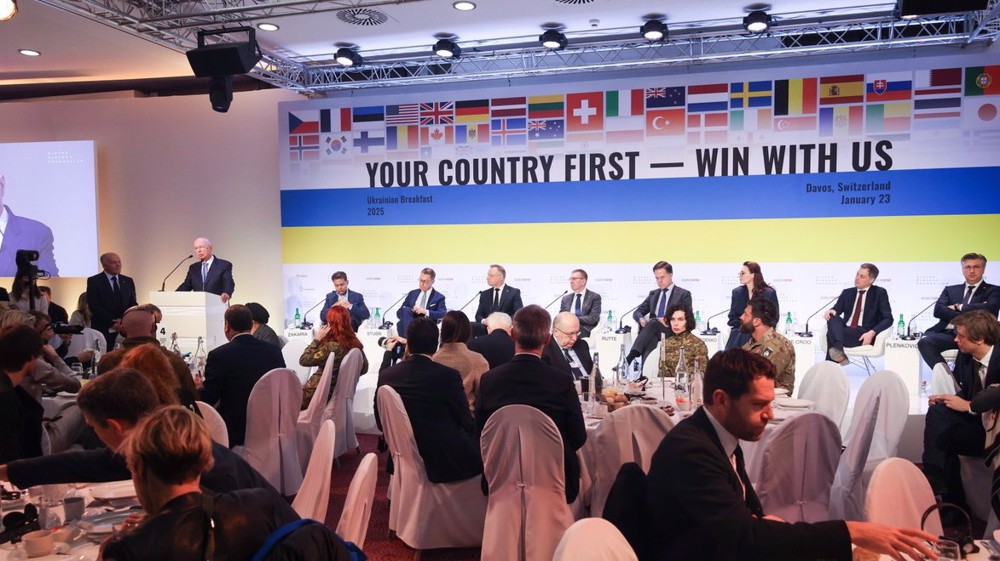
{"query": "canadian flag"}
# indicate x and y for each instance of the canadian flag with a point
(585, 112)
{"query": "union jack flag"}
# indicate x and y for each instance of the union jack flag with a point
(537, 125)
(437, 113)
(655, 92)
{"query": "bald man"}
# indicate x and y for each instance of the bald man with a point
(109, 294)
(566, 351)
(210, 274)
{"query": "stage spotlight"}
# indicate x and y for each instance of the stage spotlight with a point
(654, 30)
(348, 57)
(220, 61)
(446, 48)
(8, 9)
(553, 39)
(757, 21)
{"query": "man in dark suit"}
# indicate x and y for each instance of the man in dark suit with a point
(973, 294)
(566, 350)
(423, 301)
(859, 315)
(210, 274)
(341, 296)
(499, 297)
(650, 313)
(497, 347)
(527, 380)
(585, 304)
(56, 312)
(701, 502)
(950, 430)
(109, 294)
(24, 233)
(435, 402)
(231, 370)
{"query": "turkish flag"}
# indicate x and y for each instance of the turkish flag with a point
(585, 112)
(665, 122)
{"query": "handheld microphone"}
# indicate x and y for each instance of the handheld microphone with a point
(912, 336)
(303, 324)
(476, 295)
(556, 299)
(386, 324)
(808, 333)
(626, 328)
(163, 285)
(709, 330)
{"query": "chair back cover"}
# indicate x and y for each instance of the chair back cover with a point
(630, 434)
(593, 539)
(797, 468)
(891, 413)
(523, 464)
(826, 383)
(313, 497)
(340, 408)
(942, 381)
(426, 515)
(292, 352)
(847, 492)
(311, 419)
(353, 525)
(271, 438)
(898, 494)
(215, 423)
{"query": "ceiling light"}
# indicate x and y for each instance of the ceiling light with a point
(8, 8)
(464, 5)
(446, 48)
(348, 57)
(267, 26)
(654, 30)
(553, 39)
(29, 52)
(757, 21)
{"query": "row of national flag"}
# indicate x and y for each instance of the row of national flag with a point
(892, 104)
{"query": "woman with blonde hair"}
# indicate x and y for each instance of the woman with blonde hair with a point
(336, 337)
(81, 315)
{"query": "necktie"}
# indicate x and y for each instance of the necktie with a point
(576, 369)
(496, 299)
(968, 294)
(578, 306)
(115, 289)
(752, 502)
(423, 300)
(857, 309)
(204, 273)
(661, 308)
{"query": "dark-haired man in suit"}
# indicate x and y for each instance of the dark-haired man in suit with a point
(109, 294)
(341, 296)
(499, 297)
(859, 315)
(210, 274)
(650, 313)
(585, 304)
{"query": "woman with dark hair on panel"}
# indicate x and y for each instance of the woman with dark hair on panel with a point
(752, 285)
(680, 320)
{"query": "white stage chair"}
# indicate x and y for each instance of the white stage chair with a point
(864, 352)
(313, 497)
(826, 384)
(898, 494)
(353, 525)
(271, 438)
(593, 539)
(341, 404)
(215, 423)
(292, 352)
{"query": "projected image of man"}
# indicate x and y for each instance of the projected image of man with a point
(18, 232)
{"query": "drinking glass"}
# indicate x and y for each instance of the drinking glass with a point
(947, 550)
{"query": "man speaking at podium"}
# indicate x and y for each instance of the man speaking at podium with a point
(210, 274)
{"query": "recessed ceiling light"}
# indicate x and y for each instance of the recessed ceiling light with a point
(464, 5)
(267, 27)
(29, 52)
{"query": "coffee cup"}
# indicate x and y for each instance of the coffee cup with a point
(38, 543)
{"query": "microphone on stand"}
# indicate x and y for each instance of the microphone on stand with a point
(476, 295)
(626, 328)
(556, 299)
(163, 285)
(913, 337)
(808, 333)
(303, 324)
(386, 324)
(709, 330)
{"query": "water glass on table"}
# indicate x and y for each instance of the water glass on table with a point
(947, 550)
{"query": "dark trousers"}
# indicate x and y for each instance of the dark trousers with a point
(648, 338)
(949, 434)
(931, 345)
(839, 336)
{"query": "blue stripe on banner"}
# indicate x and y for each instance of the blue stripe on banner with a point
(708, 106)
(909, 193)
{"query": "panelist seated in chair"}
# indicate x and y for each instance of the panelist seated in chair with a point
(651, 313)
(421, 302)
(859, 315)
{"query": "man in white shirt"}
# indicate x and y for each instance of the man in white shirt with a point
(499, 297)
(423, 301)
(584, 304)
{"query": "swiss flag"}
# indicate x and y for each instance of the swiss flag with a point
(585, 112)
(665, 122)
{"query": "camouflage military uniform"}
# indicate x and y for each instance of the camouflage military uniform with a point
(775, 347)
(670, 352)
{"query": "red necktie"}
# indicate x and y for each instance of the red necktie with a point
(857, 309)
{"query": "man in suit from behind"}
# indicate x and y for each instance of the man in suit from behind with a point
(566, 350)
(955, 300)
(526, 380)
(650, 313)
(859, 315)
(341, 296)
(423, 301)
(499, 297)
(232, 369)
(585, 304)
(210, 274)
(24, 233)
(497, 347)
(109, 294)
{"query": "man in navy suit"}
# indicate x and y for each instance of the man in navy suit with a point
(649, 314)
(496, 346)
(585, 304)
(973, 294)
(231, 370)
(341, 296)
(109, 294)
(499, 297)
(23, 233)
(423, 301)
(210, 274)
(859, 315)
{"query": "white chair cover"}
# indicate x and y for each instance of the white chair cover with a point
(942, 381)
(353, 525)
(892, 410)
(630, 434)
(797, 468)
(271, 439)
(341, 405)
(215, 423)
(426, 515)
(651, 366)
(311, 419)
(523, 463)
(593, 539)
(977, 482)
(847, 492)
(826, 383)
(313, 497)
(898, 495)
(292, 352)
(88, 339)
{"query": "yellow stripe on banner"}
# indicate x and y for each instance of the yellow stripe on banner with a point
(792, 240)
(795, 96)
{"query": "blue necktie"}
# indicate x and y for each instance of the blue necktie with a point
(661, 310)
(578, 308)
(204, 273)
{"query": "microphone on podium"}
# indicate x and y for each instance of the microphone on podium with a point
(556, 299)
(910, 336)
(163, 285)
(808, 333)
(709, 330)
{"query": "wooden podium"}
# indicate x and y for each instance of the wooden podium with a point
(190, 315)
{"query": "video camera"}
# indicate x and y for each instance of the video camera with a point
(62, 328)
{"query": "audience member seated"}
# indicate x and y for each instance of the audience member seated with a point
(112, 404)
(336, 336)
(261, 329)
(455, 332)
(149, 360)
(758, 320)
(20, 414)
(167, 453)
(681, 323)
(526, 380)
(566, 351)
(20, 299)
(56, 312)
(859, 315)
(497, 347)
(752, 285)
(81, 315)
(139, 327)
(435, 402)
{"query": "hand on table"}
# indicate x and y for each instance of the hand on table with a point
(892, 541)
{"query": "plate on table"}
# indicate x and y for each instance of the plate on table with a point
(114, 491)
(793, 403)
(98, 525)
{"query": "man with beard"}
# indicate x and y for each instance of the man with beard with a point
(758, 320)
